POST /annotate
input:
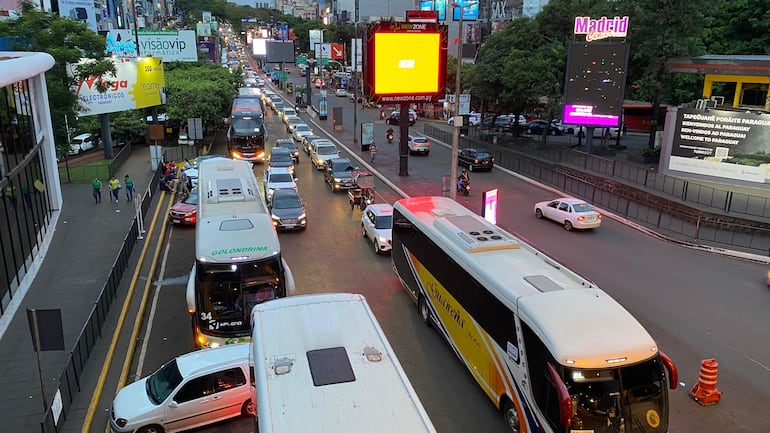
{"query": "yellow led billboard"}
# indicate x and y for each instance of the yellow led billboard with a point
(407, 70)
(407, 63)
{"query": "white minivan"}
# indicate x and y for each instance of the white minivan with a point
(189, 391)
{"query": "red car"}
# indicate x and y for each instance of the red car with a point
(185, 211)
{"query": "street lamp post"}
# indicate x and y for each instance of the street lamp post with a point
(456, 123)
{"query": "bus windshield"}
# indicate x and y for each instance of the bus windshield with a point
(228, 292)
(604, 400)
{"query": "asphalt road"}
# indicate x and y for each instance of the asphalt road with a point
(697, 305)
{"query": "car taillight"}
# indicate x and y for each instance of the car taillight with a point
(476, 161)
(581, 218)
(599, 216)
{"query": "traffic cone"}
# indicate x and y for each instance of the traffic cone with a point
(705, 391)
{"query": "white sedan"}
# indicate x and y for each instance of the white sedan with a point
(340, 92)
(300, 131)
(573, 213)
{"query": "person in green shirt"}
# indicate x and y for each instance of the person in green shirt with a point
(97, 186)
(129, 184)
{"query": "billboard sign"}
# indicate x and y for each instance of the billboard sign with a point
(171, 45)
(470, 10)
(208, 49)
(595, 82)
(79, 10)
(136, 84)
(416, 75)
(601, 28)
(316, 37)
(722, 143)
(203, 29)
(422, 16)
(434, 5)
(259, 47)
(279, 51)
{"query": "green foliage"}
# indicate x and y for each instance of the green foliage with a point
(67, 41)
(651, 152)
(199, 89)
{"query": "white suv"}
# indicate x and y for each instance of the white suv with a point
(81, 143)
(277, 178)
(418, 144)
(322, 152)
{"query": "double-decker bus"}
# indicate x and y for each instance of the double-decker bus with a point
(551, 350)
(247, 133)
(238, 261)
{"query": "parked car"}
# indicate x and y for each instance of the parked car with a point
(289, 144)
(418, 144)
(277, 178)
(172, 399)
(288, 210)
(536, 127)
(376, 226)
(280, 157)
(82, 143)
(572, 212)
(301, 130)
(321, 152)
(184, 212)
(340, 92)
(580, 131)
(503, 123)
(339, 174)
(475, 159)
(394, 117)
(306, 140)
(474, 119)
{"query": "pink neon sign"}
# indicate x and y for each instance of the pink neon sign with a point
(601, 28)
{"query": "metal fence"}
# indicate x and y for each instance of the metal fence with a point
(69, 380)
(542, 163)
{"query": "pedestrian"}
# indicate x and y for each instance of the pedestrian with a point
(97, 190)
(114, 186)
(129, 184)
(372, 151)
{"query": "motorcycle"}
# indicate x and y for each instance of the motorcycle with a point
(464, 187)
(390, 137)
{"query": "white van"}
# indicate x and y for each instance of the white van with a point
(189, 391)
(322, 364)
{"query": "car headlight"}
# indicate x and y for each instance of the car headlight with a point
(237, 155)
(303, 216)
(275, 218)
(383, 240)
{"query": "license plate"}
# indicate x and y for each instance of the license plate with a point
(176, 221)
(292, 222)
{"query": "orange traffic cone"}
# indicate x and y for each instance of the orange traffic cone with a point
(705, 391)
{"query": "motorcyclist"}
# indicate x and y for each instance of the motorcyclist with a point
(463, 179)
(389, 135)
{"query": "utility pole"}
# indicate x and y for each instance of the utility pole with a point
(356, 76)
(457, 119)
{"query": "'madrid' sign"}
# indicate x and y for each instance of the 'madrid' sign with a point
(602, 28)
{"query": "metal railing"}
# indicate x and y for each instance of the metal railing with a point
(699, 225)
(69, 379)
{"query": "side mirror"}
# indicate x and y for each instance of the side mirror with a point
(172, 404)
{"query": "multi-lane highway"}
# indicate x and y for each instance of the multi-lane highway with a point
(695, 304)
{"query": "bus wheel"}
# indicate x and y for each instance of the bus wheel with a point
(511, 416)
(422, 306)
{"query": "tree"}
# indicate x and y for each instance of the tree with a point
(200, 89)
(664, 29)
(67, 41)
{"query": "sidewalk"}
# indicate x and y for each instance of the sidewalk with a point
(85, 244)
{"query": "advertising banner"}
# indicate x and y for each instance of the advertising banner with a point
(208, 49)
(79, 10)
(722, 143)
(397, 75)
(171, 45)
(203, 29)
(137, 84)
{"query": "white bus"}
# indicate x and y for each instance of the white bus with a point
(551, 350)
(238, 261)
(323, 364)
